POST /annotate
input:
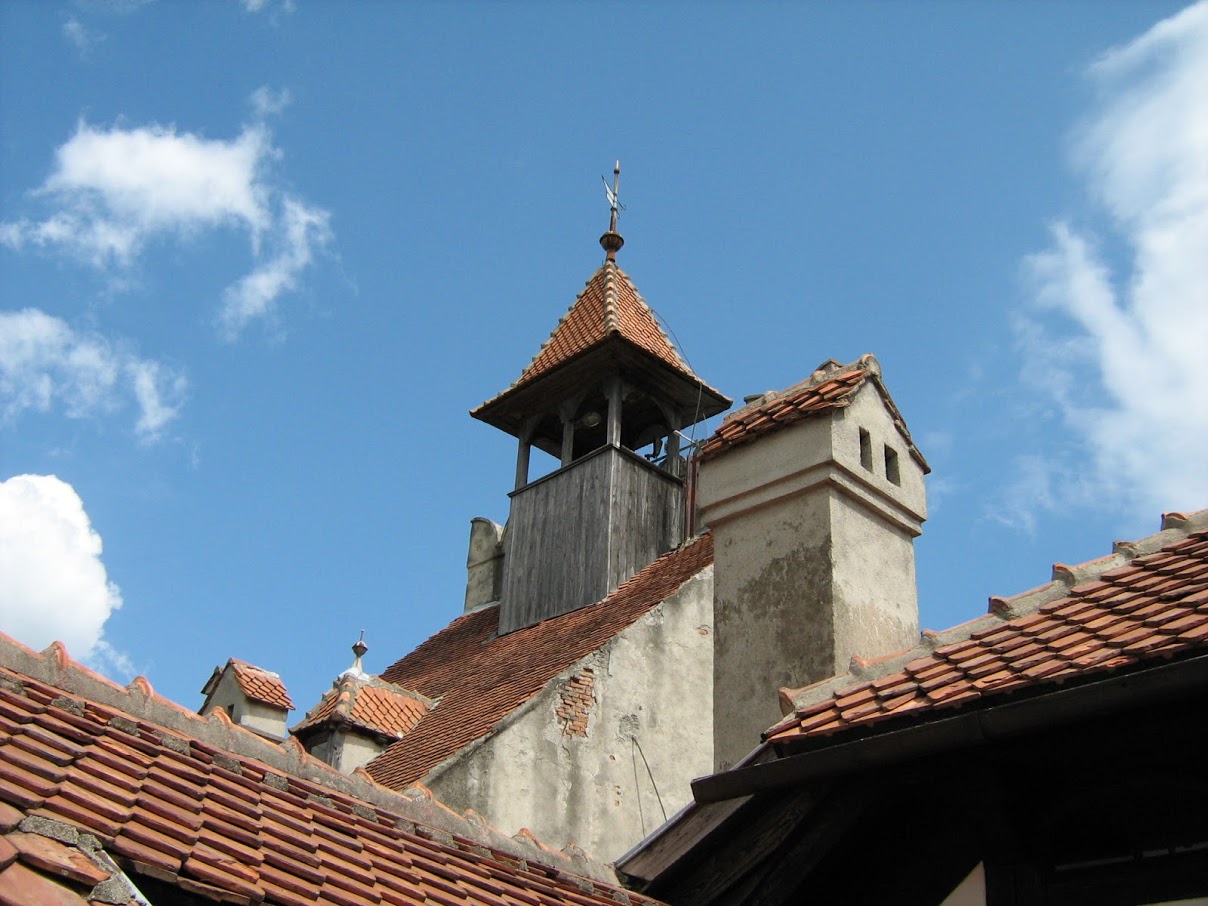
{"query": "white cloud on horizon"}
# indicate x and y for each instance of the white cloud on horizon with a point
(53, 584)
(113, 192)
(1123, 356)
(45, 364)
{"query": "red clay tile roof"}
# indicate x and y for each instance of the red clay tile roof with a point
(89, 771)
(608, 306)
(367, 704)
(832, 386)
(480, 678)
(1148, 602)
(261, 685)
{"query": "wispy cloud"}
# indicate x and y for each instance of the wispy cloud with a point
(1122, 354)
(80, 36)
(113, 191)
(256, 6)
(53, 584)
(303, 229)
(45, 365)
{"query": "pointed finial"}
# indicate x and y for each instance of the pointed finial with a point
(612, 241)
(358, 649)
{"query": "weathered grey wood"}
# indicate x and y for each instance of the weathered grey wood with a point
(522, 463)
(614, 412)
(578, 533)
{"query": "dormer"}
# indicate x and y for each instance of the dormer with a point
(359, 717)
(252, 697)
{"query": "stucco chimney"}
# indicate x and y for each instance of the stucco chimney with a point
(484, 563)
(815, 496)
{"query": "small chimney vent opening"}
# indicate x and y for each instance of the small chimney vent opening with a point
(891, 466)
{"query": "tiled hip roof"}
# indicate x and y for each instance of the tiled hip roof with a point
(609, 305)
(380, 708)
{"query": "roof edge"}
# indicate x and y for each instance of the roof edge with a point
(1175, 527)
(56, 668)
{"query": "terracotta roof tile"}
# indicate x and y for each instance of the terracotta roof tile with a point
(480, 678)
(380, 708)
(214, 820)
(261, 685)
(609, 306)
(1122, 618)
(831, 387)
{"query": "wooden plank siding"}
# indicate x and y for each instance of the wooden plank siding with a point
(578, 533)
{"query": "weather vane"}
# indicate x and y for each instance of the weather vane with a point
(611, 193)
(612, 241)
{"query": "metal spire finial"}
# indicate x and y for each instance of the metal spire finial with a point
(358, 649)
(612, 241)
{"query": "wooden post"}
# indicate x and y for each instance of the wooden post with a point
(568, 437)
(614, 412)
(522, 463)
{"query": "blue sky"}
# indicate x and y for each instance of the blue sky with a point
(257, 260)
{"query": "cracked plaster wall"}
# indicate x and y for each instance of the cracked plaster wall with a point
(814, 560)
(651, 696)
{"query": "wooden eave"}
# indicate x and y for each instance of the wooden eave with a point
(615, 355)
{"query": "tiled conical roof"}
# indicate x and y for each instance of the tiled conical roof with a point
(609, 306)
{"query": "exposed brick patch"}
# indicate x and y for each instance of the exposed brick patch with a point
(480, 676)
(575, 701)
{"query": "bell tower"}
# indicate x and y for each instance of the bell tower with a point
(606, 395)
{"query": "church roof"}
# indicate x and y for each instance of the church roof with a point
(1144, 605)
(608, 309)
(480, 678)
(366, 704)
(831, 387)
(100, 783)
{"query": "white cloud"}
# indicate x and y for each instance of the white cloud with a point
(1123, 355)
(266, 102)
(255, 6)
(53, 585)
(45, 364)
(113, 191)
(255, 295)
(80, 36)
